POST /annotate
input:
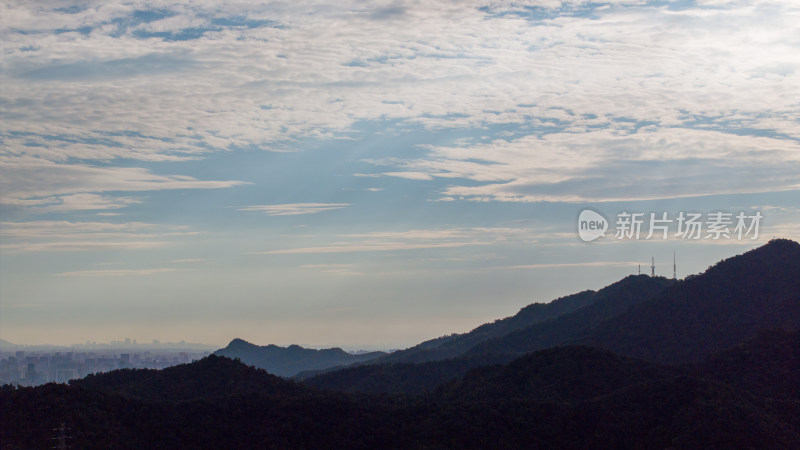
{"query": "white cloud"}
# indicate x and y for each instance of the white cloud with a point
(334, 269)
(81, 246)
(62, 235)
(453, 67)
(326, 266)
(115, 90)
(188, 261)
(391, 241)
(410, 175)
(78, 202)
(604, 165)
(57, 186)
(292, 209)
(495, 233)
(117, 272)
(357, 248)
(578, 264)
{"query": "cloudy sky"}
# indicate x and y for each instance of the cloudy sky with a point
(373, 173)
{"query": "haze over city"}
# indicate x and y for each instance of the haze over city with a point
(373, 174)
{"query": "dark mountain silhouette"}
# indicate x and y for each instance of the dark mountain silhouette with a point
(213, 403)
(675, 412)
(209, 378)
(681, 412)
(458, 344)
(768, 365)
(561, 374)
(607, 303)
(724, 306)
(650, 318)
(566, 397)
(401, 378)
(288, 361)
(610, 401)
(445, 347)
(380, 375)
(733, 329)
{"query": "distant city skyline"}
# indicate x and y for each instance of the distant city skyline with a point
(36, 367)
(373, 174)
(126, 343)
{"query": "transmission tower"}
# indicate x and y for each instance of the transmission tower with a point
(674, 267)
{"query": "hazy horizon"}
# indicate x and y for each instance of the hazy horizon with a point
(374, 174)
(118, 341)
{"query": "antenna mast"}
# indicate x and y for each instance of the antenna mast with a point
(652, 266)
(674, 267)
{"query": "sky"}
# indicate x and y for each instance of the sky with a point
(375, 173)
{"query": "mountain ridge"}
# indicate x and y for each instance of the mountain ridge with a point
(453, 345)
(565, 397)
(608, 302)
(706, 313)
(744, 395)
(290, 360)
(771, 271)
(382, 374)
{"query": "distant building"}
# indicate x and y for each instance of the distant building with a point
(31, 377)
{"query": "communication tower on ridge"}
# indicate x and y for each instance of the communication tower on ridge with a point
(674, 267)
(652, 266)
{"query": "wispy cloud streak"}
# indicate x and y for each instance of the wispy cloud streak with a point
(294, 209)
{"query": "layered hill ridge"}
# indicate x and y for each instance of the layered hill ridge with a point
(649, 318)
(712, 361)
(209, 378)
(288, 361)
(726, 305)
(583, 309)
(560, 374)
(607, 303)
(564, 397)
(565, 320)
(457, 344)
